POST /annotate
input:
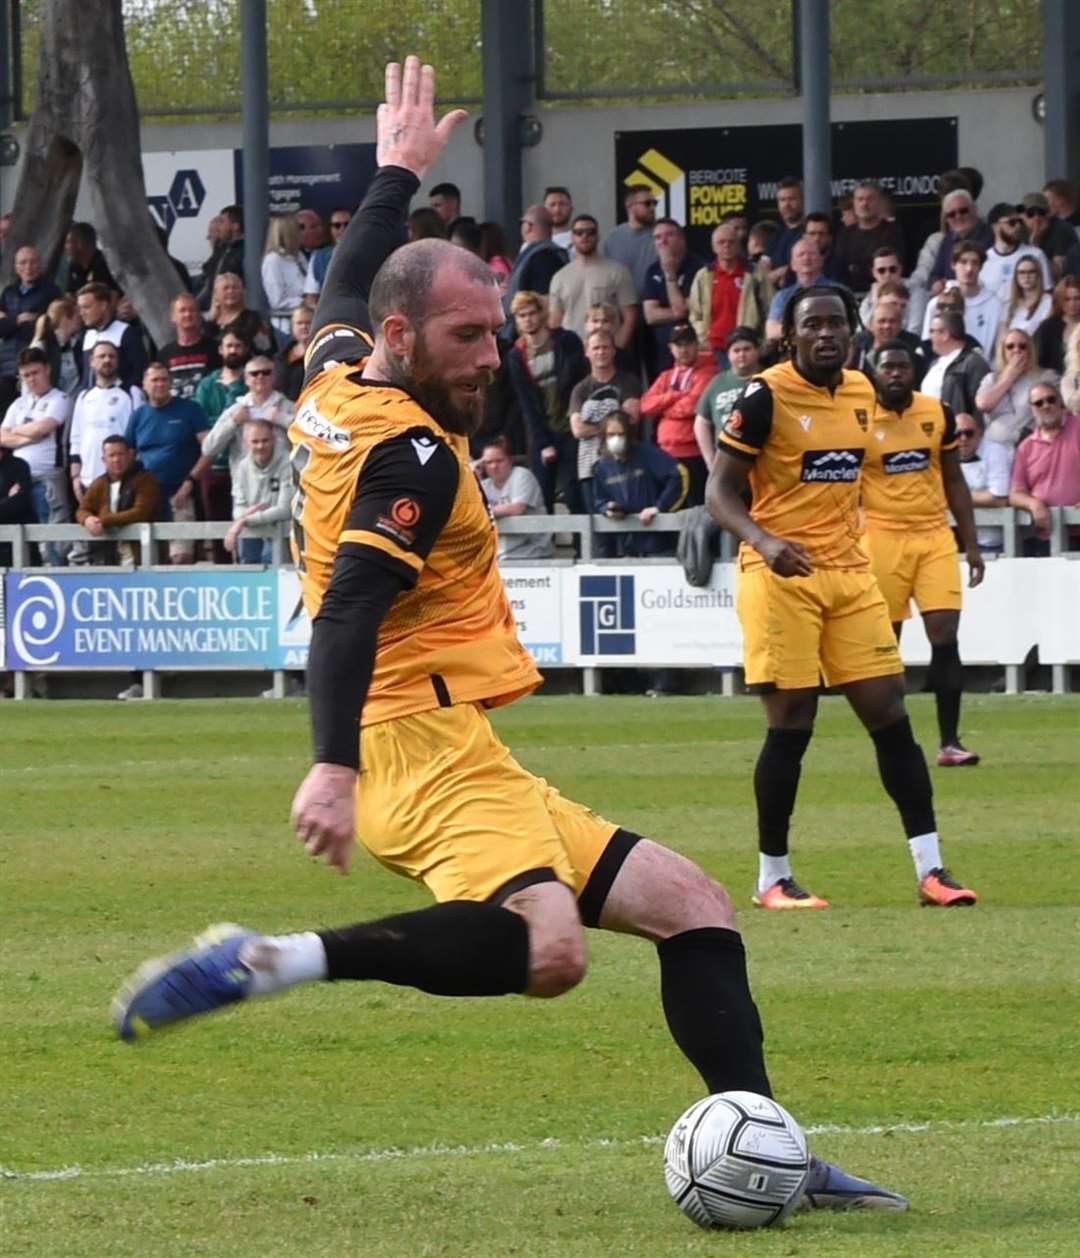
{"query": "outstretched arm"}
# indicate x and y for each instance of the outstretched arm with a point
(408, 142)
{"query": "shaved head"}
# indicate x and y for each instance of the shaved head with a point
(405, 281)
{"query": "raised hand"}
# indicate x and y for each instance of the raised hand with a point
(406, 131)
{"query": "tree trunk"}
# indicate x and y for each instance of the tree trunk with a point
(86, 120)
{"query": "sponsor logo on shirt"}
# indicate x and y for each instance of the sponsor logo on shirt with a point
(831, 465)
(309, 420)
(733, 425)
(898, 461)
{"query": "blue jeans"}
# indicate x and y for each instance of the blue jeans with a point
(49, 495)
(254, 550)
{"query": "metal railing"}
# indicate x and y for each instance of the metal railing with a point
(586, 529)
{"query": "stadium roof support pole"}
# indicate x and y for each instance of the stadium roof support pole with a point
(509, 83)
(812, 33)
(1061, 88)
(254, 81)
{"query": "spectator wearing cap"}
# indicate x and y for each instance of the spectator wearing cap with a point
(1009, 247)
(1053, 236)
(445, 199)
(665, 299)
(1046, 470)
(724, 390)
(808, 267)
(962, 223)
(671, 402)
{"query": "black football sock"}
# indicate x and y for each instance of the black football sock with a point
(709, 1009)
(945, 678)
(776, 782)
(455, 949)
(905, 776)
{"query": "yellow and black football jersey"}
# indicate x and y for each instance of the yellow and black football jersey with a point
(807, 444)
(902, 487)
(379, 476)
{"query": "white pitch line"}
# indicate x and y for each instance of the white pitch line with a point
(508, 1146)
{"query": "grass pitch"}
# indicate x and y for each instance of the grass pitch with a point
(936, 1051)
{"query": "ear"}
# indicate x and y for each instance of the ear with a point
(399, 335)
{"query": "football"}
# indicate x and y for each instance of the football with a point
(736, 1160)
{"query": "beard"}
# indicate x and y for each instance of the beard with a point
(418, 376)
(233, 361)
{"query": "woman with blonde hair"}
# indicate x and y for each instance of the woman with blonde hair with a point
(1003, 395)
(56, 332)
(283, 270)
(229, 312)
(1029, 303)
(1070, 381)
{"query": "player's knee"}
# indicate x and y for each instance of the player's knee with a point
(557, 968)
(694, 901)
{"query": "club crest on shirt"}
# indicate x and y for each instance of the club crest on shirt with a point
(928, 427)
(862, 418)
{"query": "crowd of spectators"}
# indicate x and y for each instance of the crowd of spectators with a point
(622, 354)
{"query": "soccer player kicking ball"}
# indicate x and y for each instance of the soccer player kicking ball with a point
(413, 638)
(911, 474)
(807, 601)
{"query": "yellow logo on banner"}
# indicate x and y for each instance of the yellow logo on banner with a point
(667, 181)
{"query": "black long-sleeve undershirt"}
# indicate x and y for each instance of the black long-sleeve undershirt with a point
(376, 230)
(341, 658)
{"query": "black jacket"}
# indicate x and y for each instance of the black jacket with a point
(18, 507)
(571, 366)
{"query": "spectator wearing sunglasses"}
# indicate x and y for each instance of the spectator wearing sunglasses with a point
(631, 243)
(588, 280)
(1008, 251)
(1051, 234)
(886, 267)
(962, 224)
(1046, 472)
(320, 259)
(1003, 396)
(261, 401)
(987, 468)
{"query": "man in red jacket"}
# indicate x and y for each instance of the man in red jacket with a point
(671, 401)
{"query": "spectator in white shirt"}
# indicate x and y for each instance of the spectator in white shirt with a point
(98, 314)
(982, 309)
(262, 401)
(283, 270)
(100, 411)
(511, 490)
(1004, 255)
(1029, 302)
(987, 468)
(34, 428)
(261, 492)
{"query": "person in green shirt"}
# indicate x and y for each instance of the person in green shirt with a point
(723, 390)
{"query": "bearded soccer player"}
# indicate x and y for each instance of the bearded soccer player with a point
(910, 476)
(807, 601)
(413, 640)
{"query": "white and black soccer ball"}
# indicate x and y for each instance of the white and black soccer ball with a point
(736, 1160)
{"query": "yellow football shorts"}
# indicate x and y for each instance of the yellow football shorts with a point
(924, 566)
(832, 624)
(442, 800)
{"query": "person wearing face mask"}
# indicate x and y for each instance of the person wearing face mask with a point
(634, 478)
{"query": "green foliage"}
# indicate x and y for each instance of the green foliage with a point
(330, 53)
(529, 1128)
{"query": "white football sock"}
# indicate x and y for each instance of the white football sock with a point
(280, 961)
(771, 869)
(925, 853)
